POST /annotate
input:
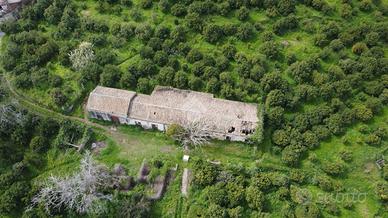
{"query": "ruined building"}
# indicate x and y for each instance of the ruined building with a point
(229, 120)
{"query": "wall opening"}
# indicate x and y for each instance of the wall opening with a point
(231, 129)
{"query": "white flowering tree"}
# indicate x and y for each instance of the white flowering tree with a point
(82, 55)
(81, 192)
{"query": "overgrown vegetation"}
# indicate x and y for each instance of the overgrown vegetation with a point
(319, 68)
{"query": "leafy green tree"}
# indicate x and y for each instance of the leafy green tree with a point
(359, 48)
(212, 33)
(216, 211)
(275, 116)
(181, 80)
(291, 155)
(261, 181)
(362, 112)
(110, 76)
(229, 51)
(144, 86)
(194, 55)
(178, 10)
(164, 6)
(204, 173)
(334, 168)
(59, 98)
(310, 210)
(194, 21)
(237, 212)
(174, 129)
(373, 139)
(53, 14)
(301, 71)
(271, 81)
(275, 98)
(254, 198)
(146, 4)
(146, 68)
(245, 31)
(216, 194)
(310, 139)
(366, 5)
(144, 32)
(127, 80)
(235, 194)
(242, 13)
(271, 49)
(38, 144)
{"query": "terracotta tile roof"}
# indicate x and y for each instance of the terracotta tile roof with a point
(168, 105)
(110, 100)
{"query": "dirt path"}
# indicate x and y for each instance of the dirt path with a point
(43, 111)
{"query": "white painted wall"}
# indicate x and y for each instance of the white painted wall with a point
(159, 126)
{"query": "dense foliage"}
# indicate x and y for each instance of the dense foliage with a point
(318, 67)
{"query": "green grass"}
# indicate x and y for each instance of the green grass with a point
(150, 144)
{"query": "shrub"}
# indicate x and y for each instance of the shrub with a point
(194, 55)
(291, 155)
(254, 198)
(242, 13)
(346, 156)
(146, 4)
(244, 31)
(373, 139)
(212, 33)
(178, 10)
(334, 168)
(362, 112)
(271, 49)
(359, 48)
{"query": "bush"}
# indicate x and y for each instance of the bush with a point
(242, 13)
(362, 113)
(346, 156)
(178, 10)
(244, 31)
(205, 174)
(212, 33)
(271, 49)
(146, 4)
(194, 55)
(291, 155)
(359, 48)
(334, 168)
(373, 139)
(254, 198)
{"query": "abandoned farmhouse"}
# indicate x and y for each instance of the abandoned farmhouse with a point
(7, 6)
(227, 119)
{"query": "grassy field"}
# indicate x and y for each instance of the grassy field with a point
(130, 146)
(361, 176)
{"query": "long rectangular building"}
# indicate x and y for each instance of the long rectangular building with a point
(227, 119)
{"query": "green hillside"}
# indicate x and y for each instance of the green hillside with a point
(318, 68)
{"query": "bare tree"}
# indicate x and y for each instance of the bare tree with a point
(195, 133)
(82, 56)
(80, 192)
(9, 115)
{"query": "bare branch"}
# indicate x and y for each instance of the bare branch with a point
(195, 133)
(80, 192)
